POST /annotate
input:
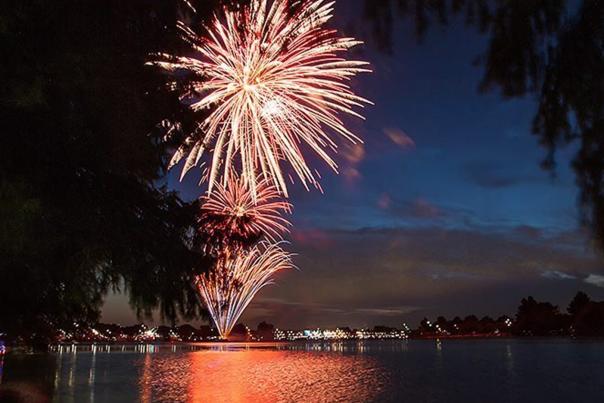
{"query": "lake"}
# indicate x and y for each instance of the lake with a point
(513, 370)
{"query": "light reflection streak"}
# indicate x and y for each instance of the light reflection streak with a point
(509, 360)
(92, 374)
(145, 380)
(259, 376)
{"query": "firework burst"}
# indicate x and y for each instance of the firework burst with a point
(274, 82)
(229, 288)
(232, 212)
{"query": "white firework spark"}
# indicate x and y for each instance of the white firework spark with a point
(275, 82)
(228, 290)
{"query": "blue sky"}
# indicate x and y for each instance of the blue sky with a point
(443, 210)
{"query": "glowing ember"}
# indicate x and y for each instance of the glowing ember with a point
(275, 82)
(231, 286)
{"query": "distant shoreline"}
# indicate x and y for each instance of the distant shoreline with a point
(163, 346)
(260, 344)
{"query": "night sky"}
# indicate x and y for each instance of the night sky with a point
(443, 210)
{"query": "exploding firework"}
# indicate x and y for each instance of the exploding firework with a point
(275, 82)
(229, 288)
(231, 212)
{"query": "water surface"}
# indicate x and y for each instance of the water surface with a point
(380, 371)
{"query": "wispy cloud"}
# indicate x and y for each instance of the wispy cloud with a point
(417, 208)
(448, 275)
(488, 174)
(353, 155)
(420, 208)
(400, 138)
(312, 237)
(389, 311)
(595, 279)
(423, 208)
(557, 275)
(310, 313)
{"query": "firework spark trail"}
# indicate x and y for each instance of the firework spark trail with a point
(229, 288)
(275, 84)
(232, 211)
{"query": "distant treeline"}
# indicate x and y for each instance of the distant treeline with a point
(583, 318)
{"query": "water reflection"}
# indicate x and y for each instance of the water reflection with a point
(230, 372)
(410, 371)
(259, 376)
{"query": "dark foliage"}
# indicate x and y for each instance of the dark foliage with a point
(579, 302)
(539, 319)
(587, 316)
(82, 208)
(265, 331)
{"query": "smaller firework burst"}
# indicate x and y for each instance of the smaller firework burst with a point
(232, 212)
(231, 286)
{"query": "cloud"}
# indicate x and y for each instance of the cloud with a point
(390, 311)
(385, 201)
(489, 175)
(557, 275)
(447, 275)
(418, 208)
(529, 231)
(312, 237)
(595, 279)
(279, 310)
(422, 208)
(353, 155)
(438, 270)
(400, 138)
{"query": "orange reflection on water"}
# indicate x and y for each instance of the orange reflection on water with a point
(259, 376)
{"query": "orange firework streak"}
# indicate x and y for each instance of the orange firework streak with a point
(274, 83)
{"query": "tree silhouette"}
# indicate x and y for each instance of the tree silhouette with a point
(539, 319)
(580, 301)
(82, 205)
(265, 331)
(589, 321)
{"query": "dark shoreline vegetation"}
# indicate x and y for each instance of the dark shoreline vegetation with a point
(584, 318)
